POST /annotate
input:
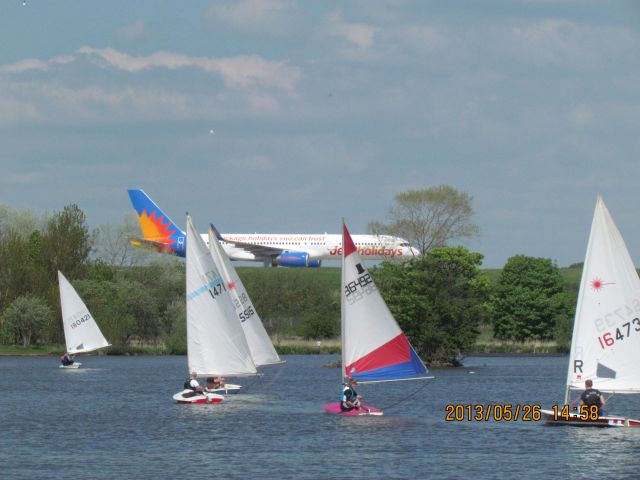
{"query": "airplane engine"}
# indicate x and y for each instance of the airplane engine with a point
(295, 259)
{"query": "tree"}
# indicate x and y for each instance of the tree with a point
(316, 325)
(66, 243)
(439, 301)
(530, 302)
(26, 318)
(430, 217)
(111, 244)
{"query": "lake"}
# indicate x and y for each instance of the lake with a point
(115, 418)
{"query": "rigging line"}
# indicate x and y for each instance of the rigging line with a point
(418, 390)
(268, 385)
(275, 378)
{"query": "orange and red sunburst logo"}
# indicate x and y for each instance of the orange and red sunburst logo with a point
(155, 228)
(597, 284)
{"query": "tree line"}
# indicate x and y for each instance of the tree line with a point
(440, 300)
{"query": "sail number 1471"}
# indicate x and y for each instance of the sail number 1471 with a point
(621, 333)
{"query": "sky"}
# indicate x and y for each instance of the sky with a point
(283, 116)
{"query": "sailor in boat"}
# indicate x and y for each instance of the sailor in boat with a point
(350, 399)
(213, 384)
(66, 359)
(193, 384)
(591, 396)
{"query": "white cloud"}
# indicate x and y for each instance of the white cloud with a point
(35, 64)
(565, 43)
(240, 71)
(272, 17)
(132, 32)
(359, 35)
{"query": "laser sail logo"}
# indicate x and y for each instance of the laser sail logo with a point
(597, 284)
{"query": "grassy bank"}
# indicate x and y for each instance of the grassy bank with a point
(497, 347)
(293, 346)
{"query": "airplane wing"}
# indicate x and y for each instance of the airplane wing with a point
(151, 245)
(260, 251)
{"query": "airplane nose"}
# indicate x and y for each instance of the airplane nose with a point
(415, 252)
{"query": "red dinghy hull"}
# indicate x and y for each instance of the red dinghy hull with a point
(575, 420)
(365, 410)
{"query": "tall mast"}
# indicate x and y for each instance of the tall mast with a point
(342, 311)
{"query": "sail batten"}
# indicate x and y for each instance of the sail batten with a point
(81, 332)
(605, 344)
(216, 344)
(374, 347)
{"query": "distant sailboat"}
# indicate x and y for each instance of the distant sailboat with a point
(216, 345)
(374, 349)
(605, 345)
(81, 332)
(262, 350)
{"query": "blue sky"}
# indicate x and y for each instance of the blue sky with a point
(323, 110)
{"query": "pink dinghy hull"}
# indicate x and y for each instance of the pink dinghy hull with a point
(363, 411)
(575, 421)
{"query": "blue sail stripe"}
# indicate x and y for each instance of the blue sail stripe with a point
(409, 369)
(204, 288)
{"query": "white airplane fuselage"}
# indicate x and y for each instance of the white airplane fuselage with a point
(320, 246)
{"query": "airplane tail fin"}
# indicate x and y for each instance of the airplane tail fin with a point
(216, 232)
(158, 230)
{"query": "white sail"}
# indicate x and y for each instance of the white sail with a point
(606, 334)
(262, 350)
(216, 344)
(81, 332)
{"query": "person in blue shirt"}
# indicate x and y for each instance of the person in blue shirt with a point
(350, 399)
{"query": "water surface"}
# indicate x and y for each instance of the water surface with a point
(114, 418)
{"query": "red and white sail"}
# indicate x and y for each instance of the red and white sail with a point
(373, 345)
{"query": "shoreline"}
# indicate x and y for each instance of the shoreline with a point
(287, 347)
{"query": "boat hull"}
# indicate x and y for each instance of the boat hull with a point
(365, 410)
(575, 420)
(187, 397)
(229, 389)
(73, 366)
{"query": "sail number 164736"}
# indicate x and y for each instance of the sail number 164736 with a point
(622, 332)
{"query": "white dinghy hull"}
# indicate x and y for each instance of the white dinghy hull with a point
(189, 397)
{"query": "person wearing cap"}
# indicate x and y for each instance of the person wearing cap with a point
(350, 399)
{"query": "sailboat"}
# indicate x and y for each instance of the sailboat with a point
(81, 332)
(374, 349)
(605, 346)
(260, 346)
(216, 344)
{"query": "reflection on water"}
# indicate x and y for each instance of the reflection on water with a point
(114, 418)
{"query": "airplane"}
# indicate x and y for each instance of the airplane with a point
(161, 234)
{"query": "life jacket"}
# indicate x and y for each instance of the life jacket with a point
(348, 394)
(592, 397)
(187, 384)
